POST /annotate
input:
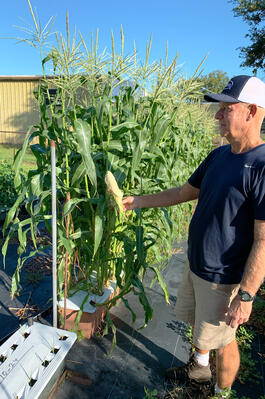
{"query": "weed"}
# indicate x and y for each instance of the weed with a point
(244, 338)
(247, 370)
(257, 318)
(150, 394)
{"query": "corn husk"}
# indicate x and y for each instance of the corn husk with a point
(114, 190)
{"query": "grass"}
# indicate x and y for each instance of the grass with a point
(7, 153)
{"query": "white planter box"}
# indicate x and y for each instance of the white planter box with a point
(74, 302)
(92, 316)
(31, 360)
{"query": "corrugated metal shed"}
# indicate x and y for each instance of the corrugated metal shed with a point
(18, 107)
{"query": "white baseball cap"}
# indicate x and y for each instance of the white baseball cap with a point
(242, 88)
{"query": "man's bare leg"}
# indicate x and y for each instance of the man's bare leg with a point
(227, 364)
(203, 352)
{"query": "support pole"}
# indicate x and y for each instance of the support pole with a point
(54, 233)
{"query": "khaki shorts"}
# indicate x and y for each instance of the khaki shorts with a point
(203, 305)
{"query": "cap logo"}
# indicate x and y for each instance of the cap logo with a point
(229, 85)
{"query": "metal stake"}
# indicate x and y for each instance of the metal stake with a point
(54, 233)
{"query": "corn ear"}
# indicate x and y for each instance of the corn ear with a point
(114, 190)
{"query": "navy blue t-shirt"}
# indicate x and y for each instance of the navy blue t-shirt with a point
(232, 195)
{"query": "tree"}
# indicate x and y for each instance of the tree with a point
(215, 81)
(253, 12)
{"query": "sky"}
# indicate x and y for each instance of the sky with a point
(192, 29)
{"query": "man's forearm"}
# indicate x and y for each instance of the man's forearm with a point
(169, 197)
(254, 272)
(164, 198)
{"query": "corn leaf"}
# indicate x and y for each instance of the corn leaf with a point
(83, 135)
(79, 173)
(161, 282)
(11, 213)
(126, 303)
(124, 126)
(98, 230)
(19, 157)
(71, 204)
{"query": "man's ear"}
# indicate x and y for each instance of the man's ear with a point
(252, 111)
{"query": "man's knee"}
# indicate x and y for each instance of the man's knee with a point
(231, 347)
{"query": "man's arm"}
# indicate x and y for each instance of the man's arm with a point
(169, 197)
(253, 277)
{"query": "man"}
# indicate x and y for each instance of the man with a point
(226, 244)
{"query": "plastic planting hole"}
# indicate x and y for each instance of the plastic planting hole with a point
(2, 359)
(63, 338)
(92, 303)
(26, 334)
(45, 363)
(32, 381)
(14, 347)
(55, 350)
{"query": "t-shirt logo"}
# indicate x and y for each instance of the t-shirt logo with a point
(248, 166)
(229, 85)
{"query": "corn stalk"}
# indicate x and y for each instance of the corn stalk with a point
(106, 118)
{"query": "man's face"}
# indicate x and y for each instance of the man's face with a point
(232, 119)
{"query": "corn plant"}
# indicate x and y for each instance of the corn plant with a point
(112, 118)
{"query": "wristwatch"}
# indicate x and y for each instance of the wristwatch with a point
(245, 296)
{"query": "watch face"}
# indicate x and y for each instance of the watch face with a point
(245, 296)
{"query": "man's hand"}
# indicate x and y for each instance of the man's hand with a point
(238, 312)
(130, 203)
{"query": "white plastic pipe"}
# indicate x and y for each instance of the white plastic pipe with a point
(54, 233)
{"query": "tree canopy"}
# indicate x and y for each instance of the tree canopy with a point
(214, 81)
(253, 12)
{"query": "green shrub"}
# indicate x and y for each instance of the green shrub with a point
(7, 189)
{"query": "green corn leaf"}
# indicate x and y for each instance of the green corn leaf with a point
(11, 213)
(79, 173)
(77, 234)
(148, 311)
(160, 130)
(37, 148)
(111, 325)
(113, 145)
(70, 205)
(161, 282)
(98, 233)
(67, 243)
(19, 158)
(138, 151)
(40, 153)
(124, 126)
(32, 232)
(22, 237)
(126, 303)
(15, 282)
(36, 186)
(83, 135)
(37, 205)
(139, 232)
(4, 248)
(80, 312)
(143, 299)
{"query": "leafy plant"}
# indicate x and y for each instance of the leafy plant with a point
(257, 318)
(247, 370)
(7, 188)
